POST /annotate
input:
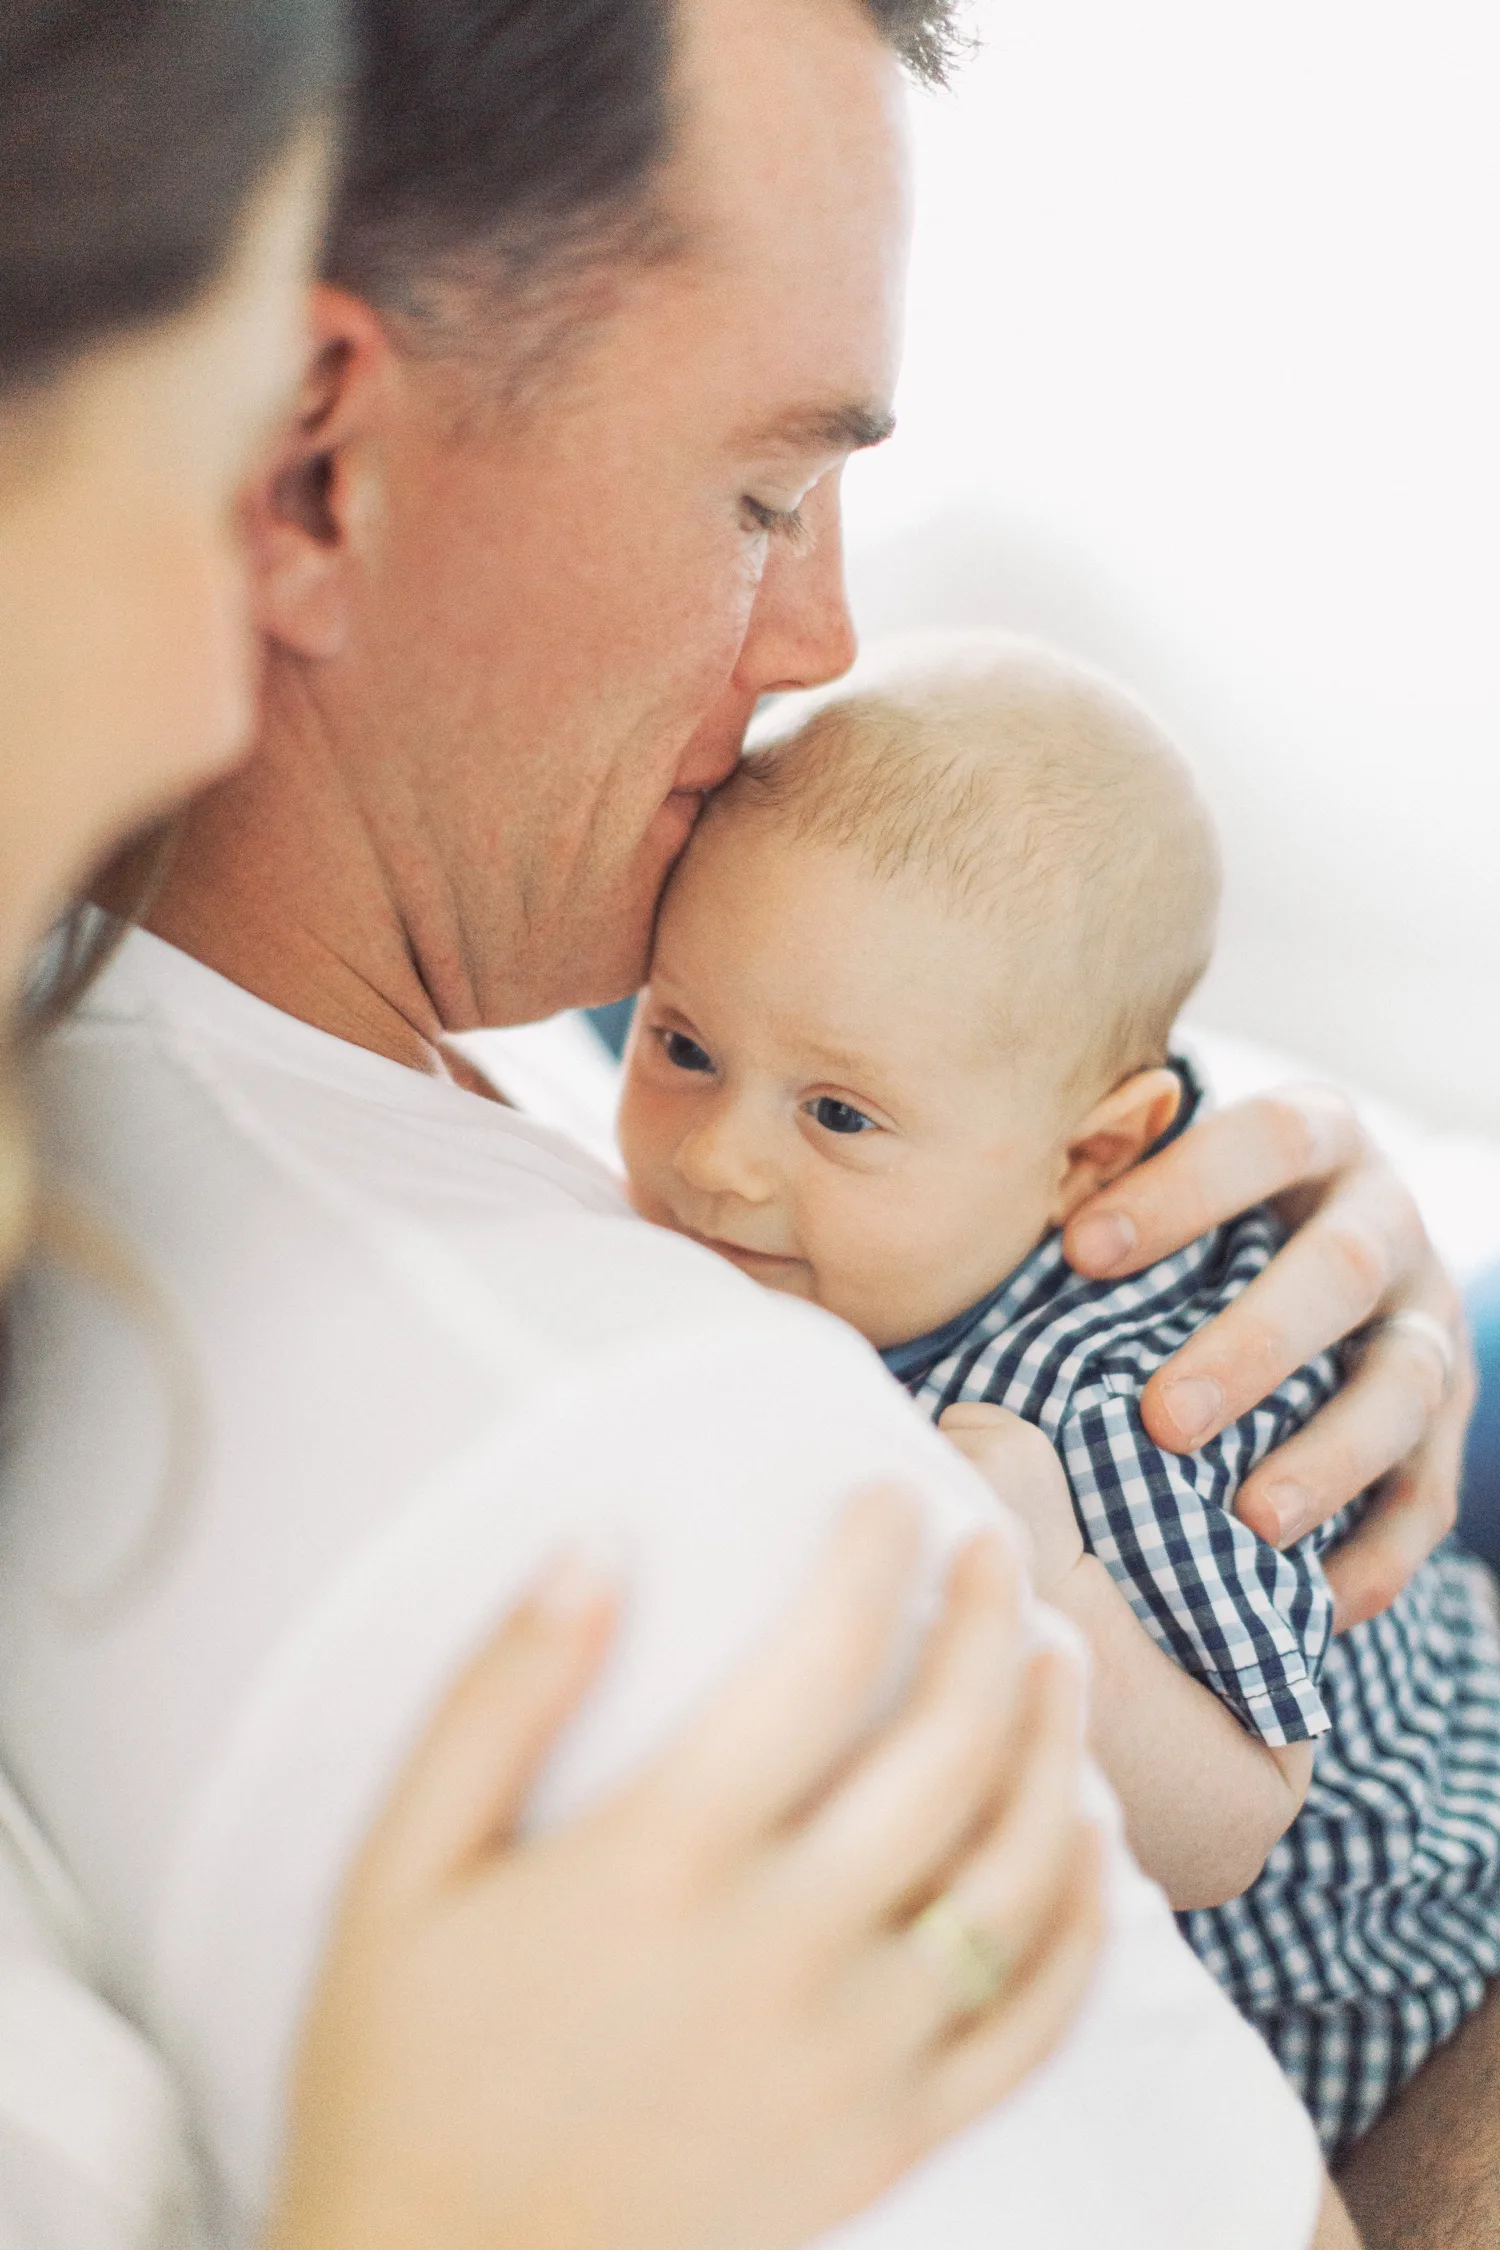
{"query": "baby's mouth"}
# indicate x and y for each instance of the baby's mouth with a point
(740, 1254)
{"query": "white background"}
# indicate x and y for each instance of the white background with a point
(1202, 381)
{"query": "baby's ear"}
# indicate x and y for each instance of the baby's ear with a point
(1116, 1134)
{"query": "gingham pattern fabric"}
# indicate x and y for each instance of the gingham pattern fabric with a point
(1375, 1925)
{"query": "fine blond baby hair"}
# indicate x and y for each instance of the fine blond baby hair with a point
(1033, 795)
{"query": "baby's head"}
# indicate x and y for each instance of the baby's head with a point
(914, 980)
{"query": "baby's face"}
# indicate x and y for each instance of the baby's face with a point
(810, 1092)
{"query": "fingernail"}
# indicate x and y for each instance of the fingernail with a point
(1195, 1405)
(1104, 1241)
(1288, 1506)
(575, 1581)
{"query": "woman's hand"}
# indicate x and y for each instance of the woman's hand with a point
(699, 2018)
(1359, 1255)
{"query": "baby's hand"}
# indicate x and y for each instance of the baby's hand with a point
(1021, 1468)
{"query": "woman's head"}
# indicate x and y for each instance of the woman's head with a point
(162, 167)
(132, 133)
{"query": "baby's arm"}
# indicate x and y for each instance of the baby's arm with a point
(1204, 1799)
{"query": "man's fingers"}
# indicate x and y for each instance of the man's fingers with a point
(1342, 1267)
(802, 1703)
(1415, 1512)
(1359, 1252)
(465, 1784)
(1379, 1419)
(1227, 1164)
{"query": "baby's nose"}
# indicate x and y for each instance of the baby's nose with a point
(721, 1157)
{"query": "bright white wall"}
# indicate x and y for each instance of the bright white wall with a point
(1203, 380)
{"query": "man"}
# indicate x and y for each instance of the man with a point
(614, 293)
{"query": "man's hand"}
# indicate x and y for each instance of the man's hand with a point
(1024, 1471)
(1359, 1255)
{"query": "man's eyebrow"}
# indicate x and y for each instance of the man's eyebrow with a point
(848, 427)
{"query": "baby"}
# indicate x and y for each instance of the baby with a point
(913, 986)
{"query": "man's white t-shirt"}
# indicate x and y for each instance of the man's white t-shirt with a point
(395, 1344)
(93, 2142)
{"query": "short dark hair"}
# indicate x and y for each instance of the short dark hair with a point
(519, 135)
(132, 133)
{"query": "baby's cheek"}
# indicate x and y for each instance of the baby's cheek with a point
(794, 1281)
(636, 1131)
(864, 1256)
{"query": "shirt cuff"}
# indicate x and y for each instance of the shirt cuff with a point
(1281, 1712)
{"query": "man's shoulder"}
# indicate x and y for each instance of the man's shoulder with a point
(169, 1063)
(287, 1201)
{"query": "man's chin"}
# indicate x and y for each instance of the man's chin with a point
(600, 975)
(622, 953)
(606, 953)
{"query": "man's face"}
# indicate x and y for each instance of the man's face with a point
(572, 609)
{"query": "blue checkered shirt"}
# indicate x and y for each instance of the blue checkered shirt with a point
(1375, 1925)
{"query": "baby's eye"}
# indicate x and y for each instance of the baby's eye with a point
(684, 1053)
(839, 1117)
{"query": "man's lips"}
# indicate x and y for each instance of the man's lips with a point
(683, 804)
(712, 756)
(678, 816)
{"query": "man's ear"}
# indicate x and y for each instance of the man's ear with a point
(313, 510)
(1116, 1133)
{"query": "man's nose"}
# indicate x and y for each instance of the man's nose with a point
(801, 632)
(720, 1156)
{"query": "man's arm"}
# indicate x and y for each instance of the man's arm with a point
(1359, 1254)
(1428, 2176)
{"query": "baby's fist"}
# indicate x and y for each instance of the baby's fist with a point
(1025, 1474)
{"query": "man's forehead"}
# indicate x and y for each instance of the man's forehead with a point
(790, 180)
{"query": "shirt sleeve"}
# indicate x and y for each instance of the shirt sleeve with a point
(1251, 1622)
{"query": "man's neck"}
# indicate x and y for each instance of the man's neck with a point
(277, 882)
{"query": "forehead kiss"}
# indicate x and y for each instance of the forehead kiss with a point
(525, 571)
